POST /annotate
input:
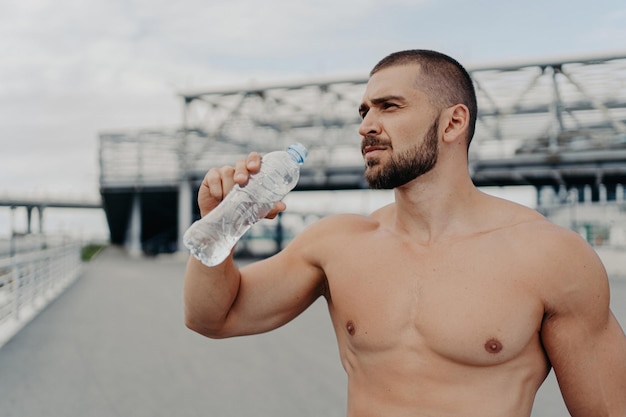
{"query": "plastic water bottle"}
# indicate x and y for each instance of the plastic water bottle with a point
(211, 238)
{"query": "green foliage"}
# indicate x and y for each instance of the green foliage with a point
(89, 251)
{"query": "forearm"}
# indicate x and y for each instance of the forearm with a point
(209, 294)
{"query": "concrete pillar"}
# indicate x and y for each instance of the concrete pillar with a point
(184, 211)
(602, 193)
(12, 247)
(133, 233)
(546, 196)
(562, 193)
(40, 214)
(588, 194)
(539, 196)
(29, 212)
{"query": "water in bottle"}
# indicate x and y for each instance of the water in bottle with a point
(211, 238)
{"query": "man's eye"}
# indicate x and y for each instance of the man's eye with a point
(389, 105)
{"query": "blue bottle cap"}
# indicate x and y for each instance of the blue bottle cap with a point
(299, 152)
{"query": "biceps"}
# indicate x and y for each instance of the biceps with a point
(590, 364)
(272, 292)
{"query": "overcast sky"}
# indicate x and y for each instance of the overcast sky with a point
(72, 68)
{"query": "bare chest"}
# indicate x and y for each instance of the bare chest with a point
(473, 308)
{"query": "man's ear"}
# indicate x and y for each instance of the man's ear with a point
(455, 121)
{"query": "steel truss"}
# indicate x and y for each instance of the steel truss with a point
(550, 107)
(558, 123)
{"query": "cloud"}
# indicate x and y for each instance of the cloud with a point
(72, 68)
(143, 45)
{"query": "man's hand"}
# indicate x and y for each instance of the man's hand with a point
(218, 182)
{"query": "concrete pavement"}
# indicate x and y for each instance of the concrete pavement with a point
(115, 345)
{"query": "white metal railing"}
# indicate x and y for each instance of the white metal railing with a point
(30, 281)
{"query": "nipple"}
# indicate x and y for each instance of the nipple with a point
(350, 327)
(493, 345)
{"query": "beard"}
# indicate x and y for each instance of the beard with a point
(405, 167)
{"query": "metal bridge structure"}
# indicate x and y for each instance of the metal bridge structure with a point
(42, 202)
(555, 124)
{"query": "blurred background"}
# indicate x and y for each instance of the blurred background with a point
(111, 111)
(71, 70)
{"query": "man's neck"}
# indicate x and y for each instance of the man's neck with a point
(430, 209)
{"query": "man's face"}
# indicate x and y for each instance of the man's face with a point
(399, 129)
(402, 167)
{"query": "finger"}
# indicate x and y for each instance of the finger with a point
(227, 180)
(241, 173)
(211, 184)
(278, 208)
(253, 162)
(214, 182)
(210, 192)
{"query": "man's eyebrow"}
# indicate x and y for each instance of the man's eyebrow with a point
(384, 99)
(363, 108)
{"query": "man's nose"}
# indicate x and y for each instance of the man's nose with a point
(370, 125)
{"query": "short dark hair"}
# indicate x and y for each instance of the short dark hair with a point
(441, 77)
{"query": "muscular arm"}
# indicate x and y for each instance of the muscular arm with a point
(224, 301)
(209, 294)
(582, 338)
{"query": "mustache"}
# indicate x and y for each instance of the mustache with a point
(373, 141)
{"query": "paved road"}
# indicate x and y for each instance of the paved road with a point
(115, 345)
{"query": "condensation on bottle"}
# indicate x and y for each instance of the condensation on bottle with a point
(212, 238)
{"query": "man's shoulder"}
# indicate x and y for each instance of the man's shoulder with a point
(510, 218)
(331, 235)
(540, 236)
(560, 259)
(347, 223)
(537, 240)
(545, 233)
(524, 221)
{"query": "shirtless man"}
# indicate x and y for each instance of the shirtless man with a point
(448, 302)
